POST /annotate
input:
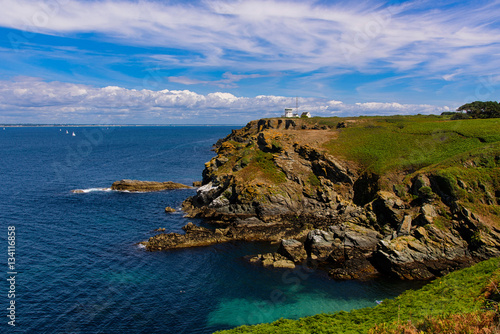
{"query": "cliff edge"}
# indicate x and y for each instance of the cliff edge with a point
(414, 197)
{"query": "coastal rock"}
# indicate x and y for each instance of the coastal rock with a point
(293, 250)
(146, 186)
(169, 209)
(350, 263)
(318, 244)
(351, 235)
(410, 258)
(196, 236)
(273, 260)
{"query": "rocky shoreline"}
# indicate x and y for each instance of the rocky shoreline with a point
(274, 181)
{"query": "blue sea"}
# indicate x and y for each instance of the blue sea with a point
(78, 265)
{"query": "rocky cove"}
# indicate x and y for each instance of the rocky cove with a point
(278, 180)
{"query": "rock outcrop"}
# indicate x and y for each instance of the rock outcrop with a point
(146, 186)
(274, 180)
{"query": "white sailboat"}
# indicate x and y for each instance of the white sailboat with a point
(73, 134)
(67, 132)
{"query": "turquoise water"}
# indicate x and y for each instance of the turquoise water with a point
(80, 269)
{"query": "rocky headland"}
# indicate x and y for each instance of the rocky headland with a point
(413, 198)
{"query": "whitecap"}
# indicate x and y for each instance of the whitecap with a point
(84, 191)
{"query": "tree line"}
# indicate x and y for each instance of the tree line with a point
(476, 109)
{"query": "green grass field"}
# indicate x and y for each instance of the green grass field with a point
(408, 143)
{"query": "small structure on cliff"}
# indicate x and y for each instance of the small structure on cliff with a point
(289, 113)
(306, 114)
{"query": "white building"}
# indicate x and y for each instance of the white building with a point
(306, 114)
(289, 113)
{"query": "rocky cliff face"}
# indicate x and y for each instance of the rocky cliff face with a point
(275, 180)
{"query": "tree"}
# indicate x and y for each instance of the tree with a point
(479, 109)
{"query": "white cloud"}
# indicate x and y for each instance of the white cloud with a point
(277, 35)
(228, 80)
(33, 100)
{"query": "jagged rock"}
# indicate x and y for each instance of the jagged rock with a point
(411, 258)
(293, 250)
(274, 260)
(146, 186)
(350, 263)
(428, 210)
(405, 226)
(388, 208)
(205, 194)
(219, 202)
(318, 244)
(356, 236)
(197, 184)
(268, 143)
(169, 209)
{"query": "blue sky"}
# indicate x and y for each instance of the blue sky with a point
(214, 62)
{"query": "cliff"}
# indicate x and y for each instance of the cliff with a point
(414, 197)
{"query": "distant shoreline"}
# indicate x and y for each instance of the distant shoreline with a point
(105, 125)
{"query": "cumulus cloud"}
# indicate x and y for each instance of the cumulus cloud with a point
(34, 100)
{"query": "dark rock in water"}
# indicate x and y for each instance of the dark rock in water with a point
(169, 209)
(273, 260)
(293, 250)
(196, 236)
(350, 263)
(146, 186)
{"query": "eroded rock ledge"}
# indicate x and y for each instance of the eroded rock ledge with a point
(146, 186)
(273, 180)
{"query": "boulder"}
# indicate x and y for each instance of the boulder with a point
(388, 208)
(293, 250)
(425, 258)
(318, 244)
(169, 209)
(350, 263)
(352, 235)
(207, 193)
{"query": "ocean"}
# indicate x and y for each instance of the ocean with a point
(77, 264)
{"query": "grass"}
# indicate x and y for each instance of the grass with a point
(458, 293)
(384, 144)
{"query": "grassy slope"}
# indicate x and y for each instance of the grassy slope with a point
(458, 292)
(383, 144)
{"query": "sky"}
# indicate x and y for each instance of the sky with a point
(229, 62)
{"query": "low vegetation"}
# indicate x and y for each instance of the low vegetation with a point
(465, 301)
(408, 143)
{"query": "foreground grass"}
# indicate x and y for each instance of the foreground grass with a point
(460, 292)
